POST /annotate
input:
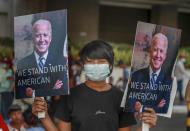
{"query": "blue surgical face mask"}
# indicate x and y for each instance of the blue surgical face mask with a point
(183, 60)
(96, 72)
(3, 66)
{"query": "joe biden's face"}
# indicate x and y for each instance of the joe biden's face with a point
(41, 38)
(158, 53)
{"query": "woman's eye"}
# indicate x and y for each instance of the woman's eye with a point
(99, 61)
(103, 61)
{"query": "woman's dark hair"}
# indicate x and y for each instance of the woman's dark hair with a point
(98, 49)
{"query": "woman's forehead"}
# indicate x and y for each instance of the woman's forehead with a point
(97, 59)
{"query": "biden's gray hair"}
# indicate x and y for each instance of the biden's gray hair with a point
(160, 36)
(42, 21)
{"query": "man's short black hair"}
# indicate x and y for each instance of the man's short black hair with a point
(13, 108)
(98, 49)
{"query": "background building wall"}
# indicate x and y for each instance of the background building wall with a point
(118, 24)
(165, 15)
(184, 25)
(4, 18)
(83, 18)
(24, 7)
(89, 19)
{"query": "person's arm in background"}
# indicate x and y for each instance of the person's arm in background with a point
(187, 93)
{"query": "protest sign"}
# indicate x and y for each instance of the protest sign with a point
(41, 54)
(152, 69)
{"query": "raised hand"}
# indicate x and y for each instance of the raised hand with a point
(149, 117)
(39, 105)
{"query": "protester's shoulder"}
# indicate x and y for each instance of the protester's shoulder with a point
(126, 69)
(77, 89)
(10, 127)
(117, 93)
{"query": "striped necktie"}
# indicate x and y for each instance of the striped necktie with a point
(41, 62)
(153, 79)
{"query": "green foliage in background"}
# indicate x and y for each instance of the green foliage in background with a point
(122, 51)
(76, 47)
(5, 51)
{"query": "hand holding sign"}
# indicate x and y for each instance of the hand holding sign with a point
(39, 106)
(148, 118)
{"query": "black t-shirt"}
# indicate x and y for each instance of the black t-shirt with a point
(90, 110)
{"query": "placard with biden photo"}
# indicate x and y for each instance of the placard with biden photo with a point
(152, 67)
(41, 54)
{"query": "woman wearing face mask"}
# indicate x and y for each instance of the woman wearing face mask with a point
(93, 105)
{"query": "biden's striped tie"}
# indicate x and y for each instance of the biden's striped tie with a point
(41, 63)
(153, 79)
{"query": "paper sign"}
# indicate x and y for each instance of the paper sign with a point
(152, 69)
(41, 54)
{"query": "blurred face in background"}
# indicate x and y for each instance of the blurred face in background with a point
(16, 117)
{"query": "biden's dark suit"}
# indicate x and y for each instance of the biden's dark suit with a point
(28, 64)
(149, 97)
